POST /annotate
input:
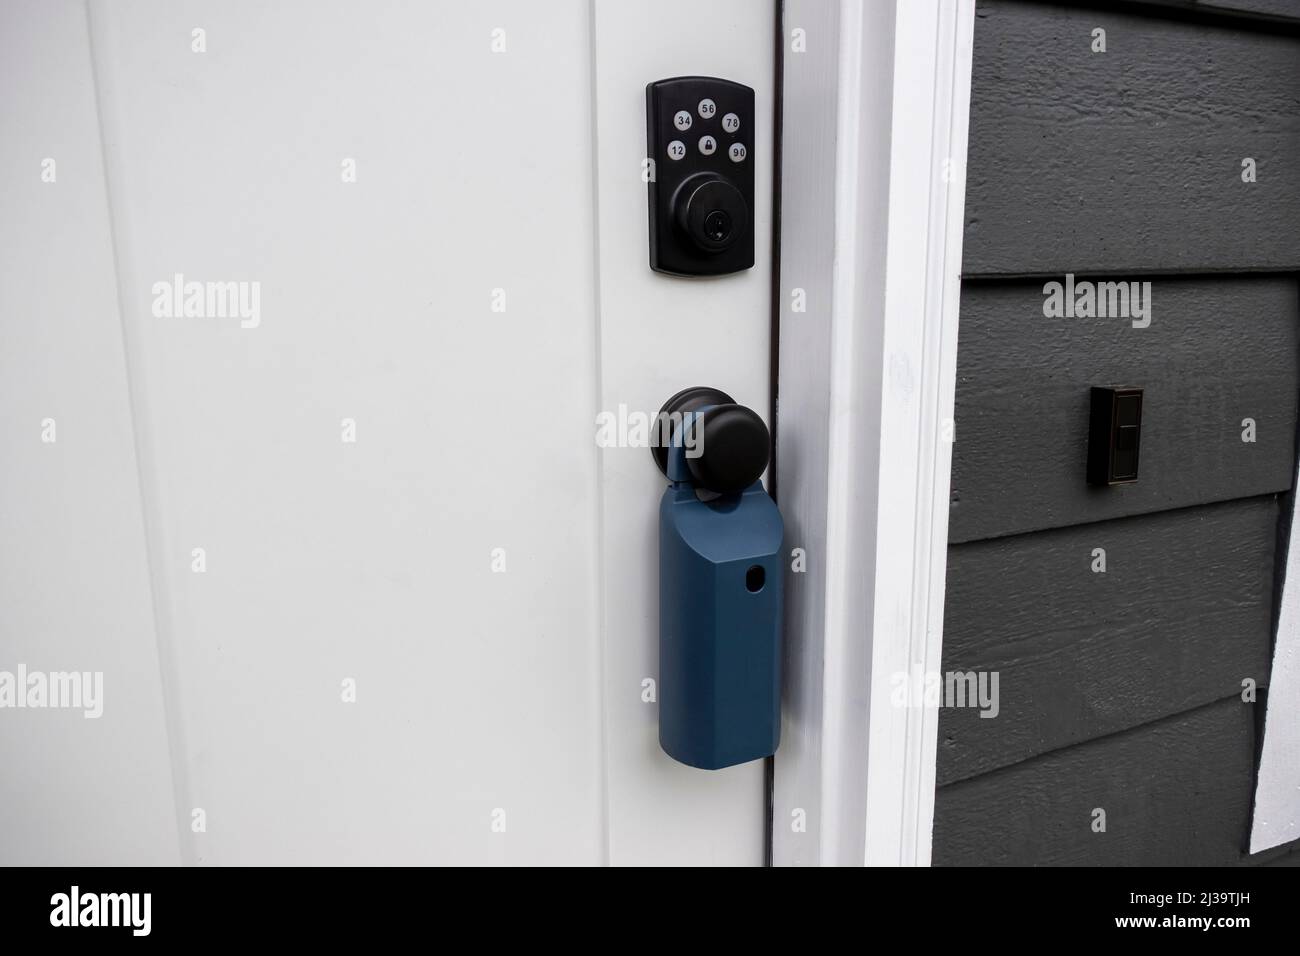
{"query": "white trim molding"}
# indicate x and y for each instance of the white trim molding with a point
(876, 102)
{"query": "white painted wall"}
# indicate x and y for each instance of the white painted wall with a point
(74, 577)
(373, 561)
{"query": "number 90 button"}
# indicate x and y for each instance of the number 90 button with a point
(737, 153)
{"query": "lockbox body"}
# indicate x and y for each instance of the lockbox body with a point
(720, 605)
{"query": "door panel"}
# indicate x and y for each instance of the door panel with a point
(659, 335)
(74, 573)
(472, 563)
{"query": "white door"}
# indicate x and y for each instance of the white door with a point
(361, 585)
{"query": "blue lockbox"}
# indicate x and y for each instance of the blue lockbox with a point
(720, 589)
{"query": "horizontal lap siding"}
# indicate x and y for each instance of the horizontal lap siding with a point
(1271, 12)
(1218, 350)
(1178, 619)
(1129, 160)
(1282, 9)
(1121, 690)
(1177, 792)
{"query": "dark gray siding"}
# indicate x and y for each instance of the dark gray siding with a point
(1131, 159)
(1121, 690)
(1176, 791)
(1180, 617)
(1218, 350)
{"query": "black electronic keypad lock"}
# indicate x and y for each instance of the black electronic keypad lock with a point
(700, 134)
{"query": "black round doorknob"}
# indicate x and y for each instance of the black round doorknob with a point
(733, 443)
(711, 211)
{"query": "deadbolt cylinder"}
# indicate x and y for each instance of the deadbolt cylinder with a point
(711, 211)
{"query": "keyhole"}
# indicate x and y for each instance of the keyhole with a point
(717, 225)
(754, 579)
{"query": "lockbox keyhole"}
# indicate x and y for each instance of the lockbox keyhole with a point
(754, 579)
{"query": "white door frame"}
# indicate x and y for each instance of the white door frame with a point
(872, 199)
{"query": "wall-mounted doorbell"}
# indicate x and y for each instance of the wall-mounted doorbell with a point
(700, 134)
(1114, 435)
(720, 584)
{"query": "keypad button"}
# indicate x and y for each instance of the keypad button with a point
(707, 108)
(708, 145)
(676, 149)
(737, 152)
(731, 122)
(682, 120)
